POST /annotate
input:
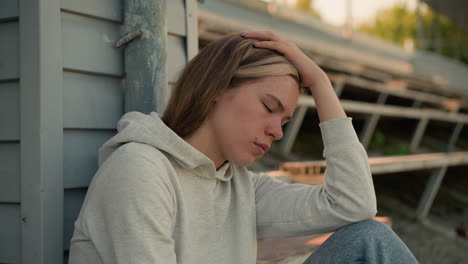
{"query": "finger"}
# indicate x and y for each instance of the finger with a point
(261, 35)
(273, 45)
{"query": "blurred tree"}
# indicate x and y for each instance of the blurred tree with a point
(399, 25)
(308, 7)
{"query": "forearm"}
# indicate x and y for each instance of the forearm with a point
(327, 103)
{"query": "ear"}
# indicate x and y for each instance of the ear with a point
(220, 96)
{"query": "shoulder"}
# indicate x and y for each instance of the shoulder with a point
(138, 165)
(135, 180)
(134, 154)
(134, 171)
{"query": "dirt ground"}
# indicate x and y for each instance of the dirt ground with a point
(432, 241)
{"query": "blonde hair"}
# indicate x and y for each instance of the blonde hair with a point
(223, 64)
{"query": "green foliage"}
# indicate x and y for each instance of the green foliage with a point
(399, 24)
(394, 24)
(307, 6)
(387, 145)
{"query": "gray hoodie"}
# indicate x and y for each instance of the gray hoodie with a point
(156, 199)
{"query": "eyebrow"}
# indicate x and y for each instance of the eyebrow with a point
(279, 104)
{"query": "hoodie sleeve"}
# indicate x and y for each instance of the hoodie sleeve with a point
(128, 215)
(348, 195)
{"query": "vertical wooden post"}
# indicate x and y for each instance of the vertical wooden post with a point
(145, 57)
(41, 131)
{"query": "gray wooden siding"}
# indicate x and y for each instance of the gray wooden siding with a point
(176, 24)
(176, 57)
(9, 63)
(9, 175)
(9, 111)
(88, 45)
(92, 95)
(73, 200)
(9, 9)
(91, 101)
(10, 233)
(10, 220)
(103, 9)
(80, 150)
(176, 41)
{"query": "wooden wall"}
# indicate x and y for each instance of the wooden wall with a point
(10, 223)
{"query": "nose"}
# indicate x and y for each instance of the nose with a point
(275, 131)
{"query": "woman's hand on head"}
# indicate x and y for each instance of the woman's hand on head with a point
(311, 74)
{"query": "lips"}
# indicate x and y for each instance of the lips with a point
(263, 148)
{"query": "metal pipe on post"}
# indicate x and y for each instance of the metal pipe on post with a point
(145, 56)
(430, 192)
(371, 123)
(293, 129)
(418, 134)
(454, 137)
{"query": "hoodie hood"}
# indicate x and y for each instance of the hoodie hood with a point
(151, 130)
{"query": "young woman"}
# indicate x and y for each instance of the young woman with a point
(176, 190)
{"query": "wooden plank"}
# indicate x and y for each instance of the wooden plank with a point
(9, 53)
(41, 131)
(9, 9)
(383, 165)
(191, 18)
(73, 200)
(385, 110)
(80, 155)
(417, 162)
(402, 112)
(438, 100)
(10, 230)
(88, 45)
(9, 111)
(177, 56)
(10, 172)
(175, 12)
(107, 9)
(91, 101)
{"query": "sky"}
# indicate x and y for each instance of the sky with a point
(334, 11)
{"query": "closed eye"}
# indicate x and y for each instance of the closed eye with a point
(267, 108)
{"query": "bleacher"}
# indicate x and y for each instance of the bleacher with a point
(378, 87)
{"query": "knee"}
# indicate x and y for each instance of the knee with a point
(371, 224)
(369, 229)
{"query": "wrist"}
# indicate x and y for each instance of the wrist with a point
(320, 81)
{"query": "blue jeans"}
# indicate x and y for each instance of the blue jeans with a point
(369, 242)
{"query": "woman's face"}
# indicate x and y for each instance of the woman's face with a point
(246, 120)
